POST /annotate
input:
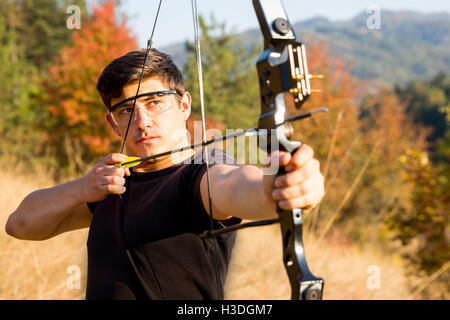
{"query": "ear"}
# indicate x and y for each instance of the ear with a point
(185, 105)
(112, 124)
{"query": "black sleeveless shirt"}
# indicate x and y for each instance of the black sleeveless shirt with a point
(151, 250)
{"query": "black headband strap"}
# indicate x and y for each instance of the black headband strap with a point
(154, 93)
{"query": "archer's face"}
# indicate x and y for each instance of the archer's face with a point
(158, 123)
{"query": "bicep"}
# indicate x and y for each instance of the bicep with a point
(79, 218)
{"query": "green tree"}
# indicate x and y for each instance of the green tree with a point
(229, 75)
(427, 102)
(40, 27)
(16, 99)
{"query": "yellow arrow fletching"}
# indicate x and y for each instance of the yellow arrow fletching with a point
(130, 162)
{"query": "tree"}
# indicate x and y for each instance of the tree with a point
(358, 142)
(73, 113)
(427, 101)
(31, 34)
(423, 225)
(230, 81)
(40, 28)
(16, 92)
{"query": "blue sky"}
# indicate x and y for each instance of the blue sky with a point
(175, 21)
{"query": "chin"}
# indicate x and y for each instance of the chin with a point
(150, 149)
(141, 151)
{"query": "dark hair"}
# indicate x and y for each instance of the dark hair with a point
(127, 70)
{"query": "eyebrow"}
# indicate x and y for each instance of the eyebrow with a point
(150, 95)
(130, 103)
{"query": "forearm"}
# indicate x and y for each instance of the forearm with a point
(42, 210)
(241, 195)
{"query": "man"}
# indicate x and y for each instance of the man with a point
(144, 222)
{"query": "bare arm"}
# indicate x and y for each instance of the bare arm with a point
(39, 214)
(237, 192)
(48, 212)
(245, 192)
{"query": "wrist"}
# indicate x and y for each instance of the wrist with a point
(79, 190)
(268, 204)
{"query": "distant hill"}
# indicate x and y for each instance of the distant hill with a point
(408, 46)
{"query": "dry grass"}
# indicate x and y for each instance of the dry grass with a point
(256, 271)
(38, 270)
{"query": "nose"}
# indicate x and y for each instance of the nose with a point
(143, 120)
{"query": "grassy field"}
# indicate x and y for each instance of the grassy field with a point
(42, 269)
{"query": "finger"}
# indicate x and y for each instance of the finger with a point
(113, 171)
(309, 200)
(280, 157)
(114, 180)
(298, 190)
(300, 157)
(310, 169)
(114, 189)
(114, 158)
(283, 158)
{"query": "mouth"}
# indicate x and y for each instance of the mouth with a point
(146, 139)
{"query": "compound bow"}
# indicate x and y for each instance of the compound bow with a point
(283, 77)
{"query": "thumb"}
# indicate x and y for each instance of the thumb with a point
(280, 158)
(274, 161)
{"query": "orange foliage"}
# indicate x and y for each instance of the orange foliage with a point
(360, 128)
(340, 93)
(75, 107)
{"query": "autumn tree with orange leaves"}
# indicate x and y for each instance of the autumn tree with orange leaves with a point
(359, 142)
(73, 113)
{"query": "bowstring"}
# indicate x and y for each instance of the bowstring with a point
(147, 51)
(202, 108)
(200, 79)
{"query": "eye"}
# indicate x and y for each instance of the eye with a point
(125, 110)
(152, 103)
